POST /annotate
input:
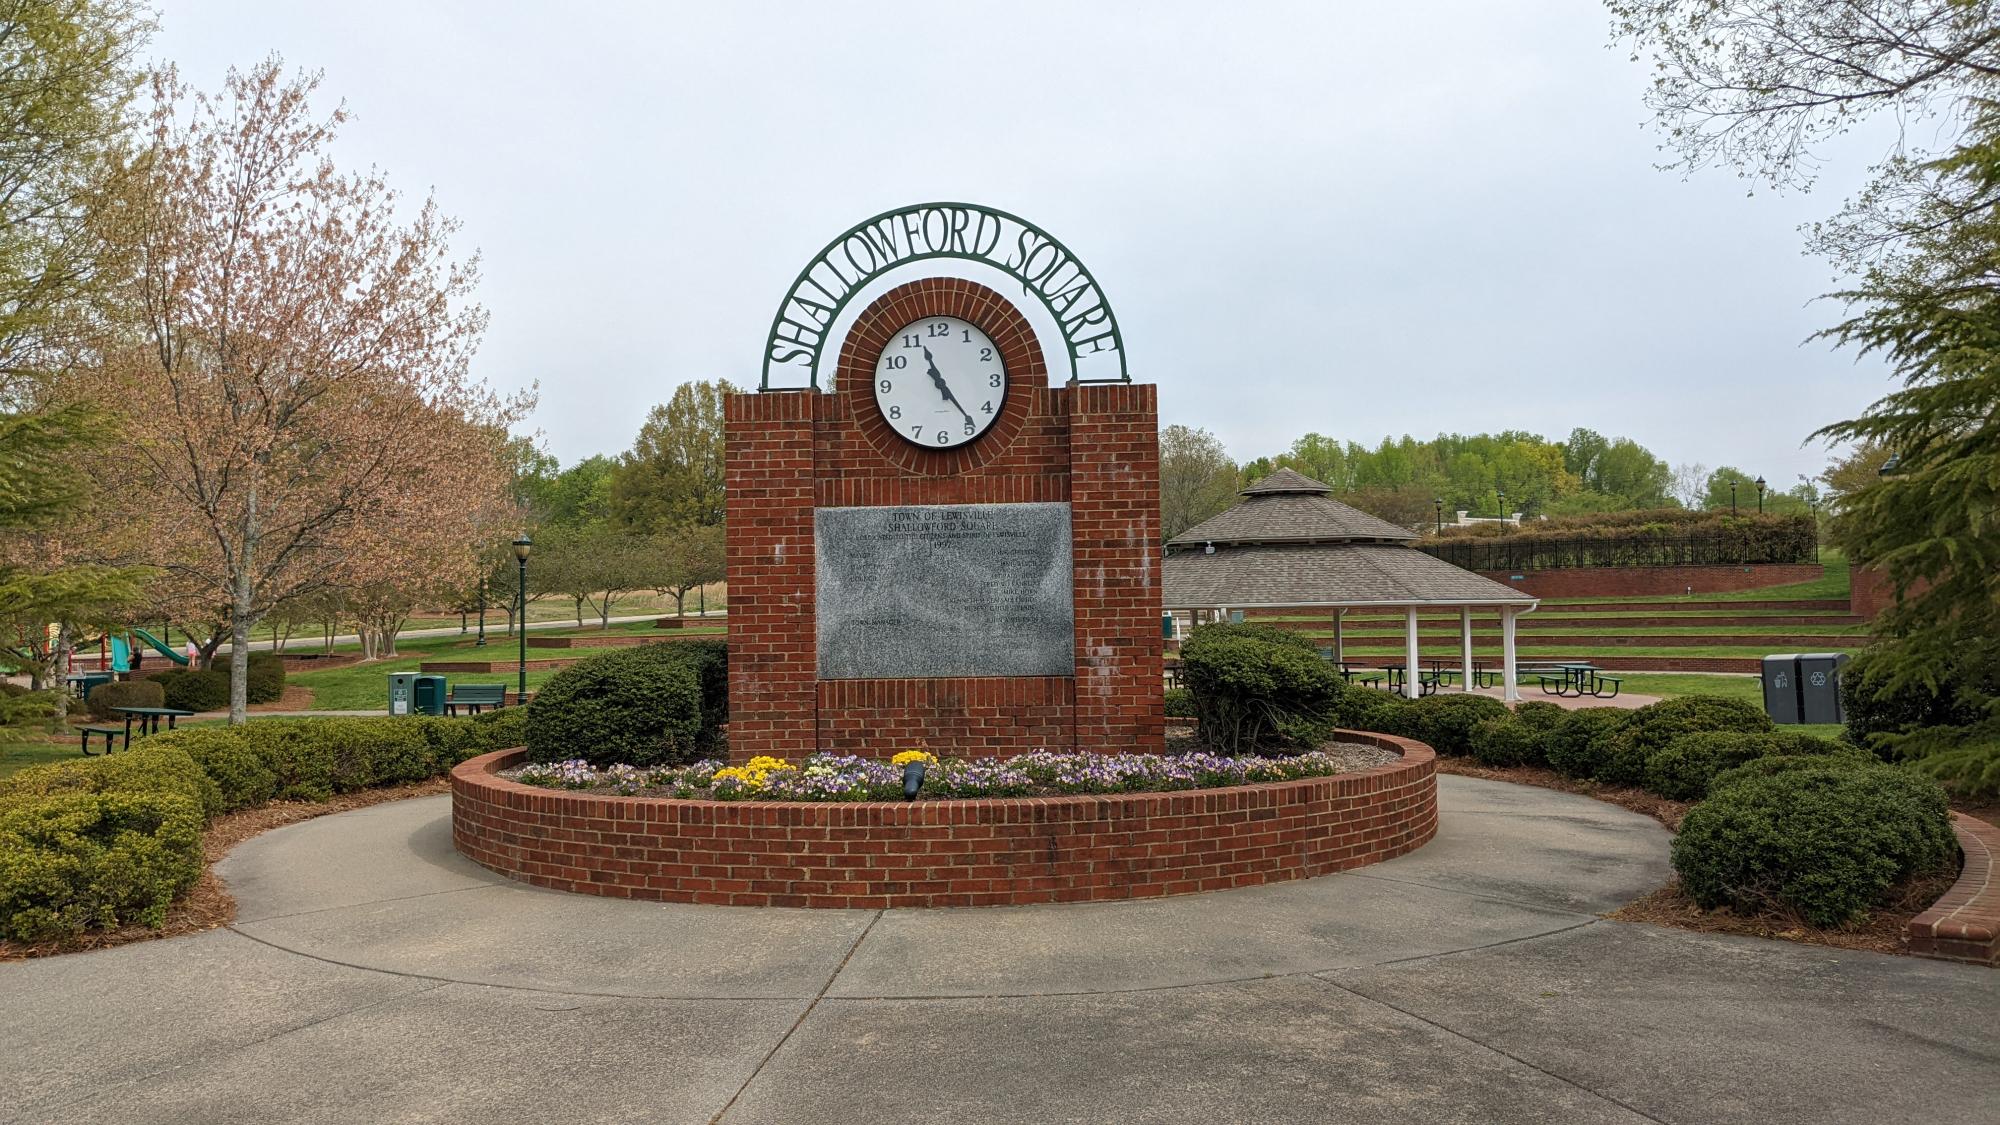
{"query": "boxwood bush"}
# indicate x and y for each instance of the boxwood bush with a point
(1579, 743)
(106, 842)
(1654, 727)
(1179, 703)
(266, 682)
(1685, 768)
(124, 693)
(1255, 685)
(657, 704)
(1512, 741)
(1825, 838)
(194, 689)
(1445, 722)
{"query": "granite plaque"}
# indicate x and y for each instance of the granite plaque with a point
(931, 590)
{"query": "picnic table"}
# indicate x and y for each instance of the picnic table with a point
(1580, 679)
(1430, 675)
(149, 720)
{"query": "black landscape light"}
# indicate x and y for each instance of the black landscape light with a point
(1440, 507)
(913, 780)
(523, 546)
(1732, 496)
(1760, 495)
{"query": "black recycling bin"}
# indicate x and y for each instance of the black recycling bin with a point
(1781, 688)
(1819, 687)
(429, 695)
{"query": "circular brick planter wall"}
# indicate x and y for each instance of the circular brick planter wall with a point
(1003, 852)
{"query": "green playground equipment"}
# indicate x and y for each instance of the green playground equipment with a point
(164, 648)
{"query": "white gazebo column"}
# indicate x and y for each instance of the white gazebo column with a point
(1508, 678)
(1465, 643)
(1339, 646)
(1412, 671)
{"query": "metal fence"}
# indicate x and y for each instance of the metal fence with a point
(1761, 546)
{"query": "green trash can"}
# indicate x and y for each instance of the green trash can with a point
(402, 692)
(429, 696)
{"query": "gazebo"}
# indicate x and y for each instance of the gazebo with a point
(1290, 545)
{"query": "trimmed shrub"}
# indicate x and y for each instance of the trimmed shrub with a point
(1654, 727)
(10, 688)
(1254, 685)
(152, 766)
(1685, 768)
(1368, 709)
(80, 860)
(1180, 703)
(640, 707)
(1445, 722)
(195, 689)
(240, 774)
(1582, 740)
(1823, 838)
(1508, 742)
(1540, 714)
(500, 730)
(1774, 764)
(124, 693)
(266, 682)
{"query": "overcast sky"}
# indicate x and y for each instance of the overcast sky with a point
(1381, 220)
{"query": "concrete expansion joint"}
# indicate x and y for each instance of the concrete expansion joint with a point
(1636, 1112)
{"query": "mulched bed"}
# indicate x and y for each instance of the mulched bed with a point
(208, 905)
(1884, 931)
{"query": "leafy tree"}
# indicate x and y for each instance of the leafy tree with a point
(1688, 485)
(688, 558)
(1853, 471)
(1715, 495)
(1197, 478)
(672, 476)
(294, 398)
(595, 566)
(65, 81)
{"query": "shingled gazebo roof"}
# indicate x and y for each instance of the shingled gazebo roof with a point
(1288, 543)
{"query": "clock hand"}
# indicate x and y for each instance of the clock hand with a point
(945, 388)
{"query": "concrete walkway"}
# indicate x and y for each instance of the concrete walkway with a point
(375, 975)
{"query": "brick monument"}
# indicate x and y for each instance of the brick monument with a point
(943, 550)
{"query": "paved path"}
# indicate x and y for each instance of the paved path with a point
(377, 976)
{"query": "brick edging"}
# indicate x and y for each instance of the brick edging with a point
(1964, 923)
(993, 852)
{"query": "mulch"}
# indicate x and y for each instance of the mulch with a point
(1886, 930)
(208, 904)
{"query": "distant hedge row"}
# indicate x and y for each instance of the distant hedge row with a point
(1669, 537)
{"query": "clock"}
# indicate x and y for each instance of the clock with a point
(940, 383)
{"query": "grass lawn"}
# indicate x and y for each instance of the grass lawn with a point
(365, 687)
(21, 749)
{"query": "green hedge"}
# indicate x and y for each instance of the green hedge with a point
(124, 693)
(1823, 837)
(1684, 770)
(1581, 741)
(657, 704)
(1256, 685)
(105, 842)
(195, 689)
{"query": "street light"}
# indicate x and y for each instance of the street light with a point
(1440, 507)
(1732, 496)
(481, 642)
(1501, 495)
(1760, 495)
(522, 546)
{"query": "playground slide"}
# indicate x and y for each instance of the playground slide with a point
(164, 649)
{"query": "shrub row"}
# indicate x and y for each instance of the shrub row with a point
(207, 689)
(654, 705)
(107, 842)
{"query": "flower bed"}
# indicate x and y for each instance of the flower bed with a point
(868, 854)
(1043, 773)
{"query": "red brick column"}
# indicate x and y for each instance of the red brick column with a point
(772, 632)
(1114, 470)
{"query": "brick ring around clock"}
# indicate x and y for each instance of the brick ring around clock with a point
(925, 361)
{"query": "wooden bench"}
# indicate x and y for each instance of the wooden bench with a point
(110, 735)
(475, 697)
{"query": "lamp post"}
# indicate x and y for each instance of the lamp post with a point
(1760, 495)
(522, 546)
(481, 642)
(1501, 495)
(1440, 507)
(1732, 496)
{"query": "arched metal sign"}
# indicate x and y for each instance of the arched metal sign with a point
(967, 231)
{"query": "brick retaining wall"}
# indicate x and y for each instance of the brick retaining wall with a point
(1964, 925)
(1003, 852)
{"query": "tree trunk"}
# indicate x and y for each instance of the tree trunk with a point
(579, 613)
(680, 602)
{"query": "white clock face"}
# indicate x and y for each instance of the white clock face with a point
(940, 382)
